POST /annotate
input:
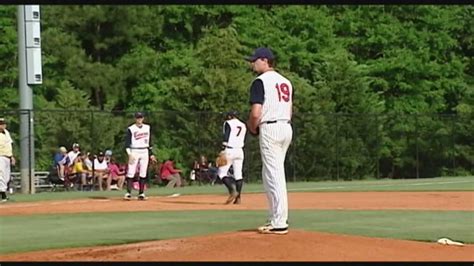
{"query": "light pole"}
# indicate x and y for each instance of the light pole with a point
(30, 73)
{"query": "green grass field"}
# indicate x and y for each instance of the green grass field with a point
(425, 184)
(45, 231)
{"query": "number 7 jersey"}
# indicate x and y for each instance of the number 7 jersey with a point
(236, 137)
(278, 93)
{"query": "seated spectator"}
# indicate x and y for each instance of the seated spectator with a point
(201, 169)
(108, 155)
(60, 161)
(170, 173)
(71, 157)
(88, 164)
(101, 171)
(213, 173)
(80, 172)
(116, 173)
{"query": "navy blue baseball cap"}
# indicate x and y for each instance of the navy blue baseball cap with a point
(232, 113)
(261, 52)
(139, 115)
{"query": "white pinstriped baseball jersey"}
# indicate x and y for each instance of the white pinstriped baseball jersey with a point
(278, 97)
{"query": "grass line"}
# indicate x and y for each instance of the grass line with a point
(26, 233)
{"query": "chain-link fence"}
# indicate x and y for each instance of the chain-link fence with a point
(325, 146)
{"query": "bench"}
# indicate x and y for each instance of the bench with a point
(40, 180)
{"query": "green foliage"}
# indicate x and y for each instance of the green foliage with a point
(184, 66)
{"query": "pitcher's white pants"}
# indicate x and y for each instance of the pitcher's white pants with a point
(5, 169)
(274, 140)
(141, 161)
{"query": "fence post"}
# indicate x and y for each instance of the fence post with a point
(31, 172)
(294, 151)
(453, 138)
(92, 137)
(416, 143)
(337, 146)
(92, 128)
(377, 132)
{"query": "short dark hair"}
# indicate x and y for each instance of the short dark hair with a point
(271, 62)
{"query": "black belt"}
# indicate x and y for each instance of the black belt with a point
(274, 121)
(142, 148)
(229, 147)
(9, 157)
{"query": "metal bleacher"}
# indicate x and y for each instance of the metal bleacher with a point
(41, 180)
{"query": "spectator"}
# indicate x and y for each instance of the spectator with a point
(73, 154)
(88, 164)
(101, 171)
(108, 155)
(168, 172)
(116, 173)
(71, 157)
(201, 169)
(60, 161)
(213, 170)
(79, 171)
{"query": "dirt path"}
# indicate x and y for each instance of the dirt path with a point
(298, 245)
(302, 200)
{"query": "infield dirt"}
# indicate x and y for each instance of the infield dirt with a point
(248, 245)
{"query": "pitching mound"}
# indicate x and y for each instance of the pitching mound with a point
(248, 245)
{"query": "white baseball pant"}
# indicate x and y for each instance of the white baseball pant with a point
(235, 157)
(5, 169)
(274, 140)
(141, 159)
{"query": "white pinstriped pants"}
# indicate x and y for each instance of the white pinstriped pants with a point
(274, 140)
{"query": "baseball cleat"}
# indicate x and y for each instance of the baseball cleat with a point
(231, 197)
(142, 197)
(237, 200)
(268, 229)
(127, 196)
(264, 227)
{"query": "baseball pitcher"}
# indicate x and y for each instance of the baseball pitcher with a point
(271, 99)
(139, 149)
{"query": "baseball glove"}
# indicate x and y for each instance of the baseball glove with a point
(221, 159)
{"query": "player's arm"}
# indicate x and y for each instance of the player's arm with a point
(150, 147)
(226, 135)
(257, 95)
(12, 159)
(291, 103)
(128, 141)
(128, 144)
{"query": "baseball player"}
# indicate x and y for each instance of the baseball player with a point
(139, 149)
(271, 99)
(234, 132)
(6, 159)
